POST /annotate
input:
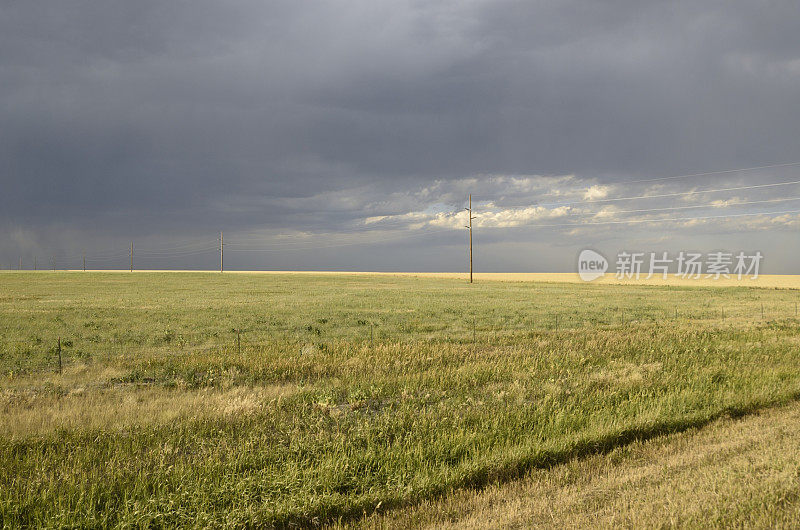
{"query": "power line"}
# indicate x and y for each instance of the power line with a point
(239, 240)
(677, 194)
(284, 248)
(673, 177)
(383, 224)
(244, 239)
(202, 245)
(710, 205)
(660, 220)
(188, 246)
(353, 243)
(724, 171)
(175, 253)
(672, 208)
(627, 221)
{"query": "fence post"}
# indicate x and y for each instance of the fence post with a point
(371, 326)
(60, 365)
(762, 310)
(238, 341)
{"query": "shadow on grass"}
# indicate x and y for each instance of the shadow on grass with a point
(518, 468)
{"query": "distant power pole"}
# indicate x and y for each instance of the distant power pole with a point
(469, 210)
(221, 251)
(84, 262)
(131, 256)
(34, 263)
(20, 263)
(54, 264)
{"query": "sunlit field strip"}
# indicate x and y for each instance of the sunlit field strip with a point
(767, 281)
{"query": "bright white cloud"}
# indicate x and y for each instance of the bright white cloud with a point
(596, 192)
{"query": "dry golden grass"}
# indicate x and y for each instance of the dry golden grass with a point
(25, 413)
(778, 281)
(769, 281)
(734, 473)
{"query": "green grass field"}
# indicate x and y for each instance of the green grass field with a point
(347, 395)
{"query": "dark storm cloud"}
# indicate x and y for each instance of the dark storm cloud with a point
(172, 119)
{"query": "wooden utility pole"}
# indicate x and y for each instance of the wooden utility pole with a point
(34, 263)
(221, 250)
(469, 210)
(20, 263)
(84, 262)
(131, 256)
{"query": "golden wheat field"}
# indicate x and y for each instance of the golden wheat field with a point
(768, 281)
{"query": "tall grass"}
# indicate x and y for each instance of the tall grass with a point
(310, 420)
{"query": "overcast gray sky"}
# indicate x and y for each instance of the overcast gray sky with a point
(345, 135)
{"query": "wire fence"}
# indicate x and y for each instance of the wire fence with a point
(55, 352)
